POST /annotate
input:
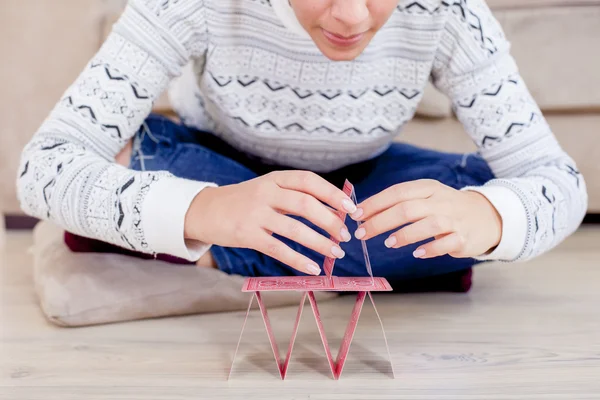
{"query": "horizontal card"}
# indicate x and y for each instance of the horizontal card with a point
(361, 284)
(316, 283)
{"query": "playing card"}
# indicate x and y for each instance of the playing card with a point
(350, 329)
(315, 308)
(240, 339)
(363, 242)
(284, 283)
(272, 340)
(316, 283)
(288, 357)
(384, 336)
(329, 262)
(360, 284)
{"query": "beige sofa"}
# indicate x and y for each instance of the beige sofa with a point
(556, 43)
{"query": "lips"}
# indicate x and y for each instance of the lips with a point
(342, 41)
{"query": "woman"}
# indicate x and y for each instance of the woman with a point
(280, 102)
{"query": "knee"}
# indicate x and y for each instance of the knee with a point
(164, 129)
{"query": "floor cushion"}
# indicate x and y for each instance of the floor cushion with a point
(78, 289)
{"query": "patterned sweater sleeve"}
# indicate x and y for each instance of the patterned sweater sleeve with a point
(538, 191)
(67, 172)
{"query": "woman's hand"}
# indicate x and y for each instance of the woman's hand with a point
(245, 215)
(463, 223)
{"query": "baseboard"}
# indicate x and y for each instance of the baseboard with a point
(19, 222)
(23, 222)
(592, 219)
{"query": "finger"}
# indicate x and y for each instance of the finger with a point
(394, 217)
(449, 244)
(420, 189)
(311, 183)
(281, 252)
(300, 233)
(306, 206)
(419, 231)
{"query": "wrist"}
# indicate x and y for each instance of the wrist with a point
(490, 218)
(195, 218)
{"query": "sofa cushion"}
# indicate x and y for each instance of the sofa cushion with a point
(556, 50)
(578, 135)
(44, 46)
(504, 4)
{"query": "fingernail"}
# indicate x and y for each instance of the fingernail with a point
(313, 269)
(337, 252)
(349, 206)
(360, 233)
(346, 235)
(390, 242)
(357, 214)
(418, 253)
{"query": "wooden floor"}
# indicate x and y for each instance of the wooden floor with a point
(526, 331)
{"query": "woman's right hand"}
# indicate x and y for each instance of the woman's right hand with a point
(245, 215)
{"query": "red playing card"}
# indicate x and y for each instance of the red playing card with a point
(285, 283)
(350, 329)
(316, 283)
(286, 363)
(272, 340)
(329, 262)
(360, 284)
(315, 308)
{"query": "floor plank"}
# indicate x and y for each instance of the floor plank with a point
(526, 331)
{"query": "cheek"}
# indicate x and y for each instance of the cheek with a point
(309, 12)
(381, 10)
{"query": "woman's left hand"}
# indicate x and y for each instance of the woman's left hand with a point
(463, 223)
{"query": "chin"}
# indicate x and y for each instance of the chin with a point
(336, 55)
(340, 54)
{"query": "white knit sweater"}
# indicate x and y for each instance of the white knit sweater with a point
(246, 70)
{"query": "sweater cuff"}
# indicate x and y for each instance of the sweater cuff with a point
(514, 222)
(163, 217)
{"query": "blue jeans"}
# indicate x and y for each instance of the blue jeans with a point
(192, 154)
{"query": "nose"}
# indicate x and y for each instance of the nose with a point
(350, 12)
